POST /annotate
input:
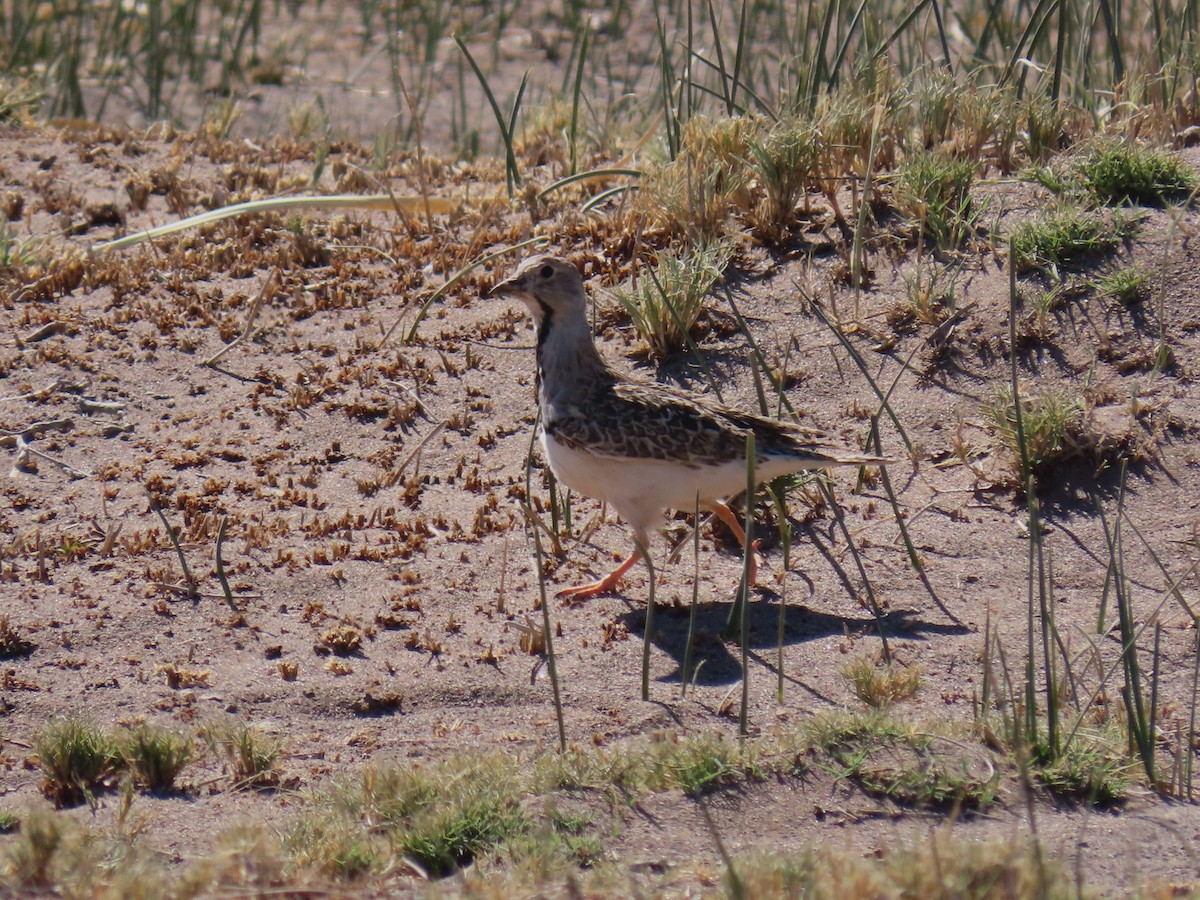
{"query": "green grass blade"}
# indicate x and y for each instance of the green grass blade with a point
(1032, 27)
(739, 56)
(512, 174)
(862, 367)
(844, 47)
(686, 669)
(902, 27)
(576, 177)
(726, 91)
(577, 93)
(668, 79)
(607, 195)
(872, 601)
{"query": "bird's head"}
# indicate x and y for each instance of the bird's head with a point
(549, 286)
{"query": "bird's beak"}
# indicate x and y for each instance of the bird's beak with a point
(514, 284)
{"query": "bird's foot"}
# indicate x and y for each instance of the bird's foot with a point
(606, 585)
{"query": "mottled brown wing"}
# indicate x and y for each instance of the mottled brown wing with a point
(627, 420)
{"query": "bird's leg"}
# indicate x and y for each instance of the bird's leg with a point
(725, 514)
(605, 585)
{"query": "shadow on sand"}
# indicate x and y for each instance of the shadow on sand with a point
(717, 661)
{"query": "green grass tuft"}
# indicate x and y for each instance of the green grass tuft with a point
(1093, 768)
(667, 301)
(1052, 422)
(156, 756)
(1066, 236)
(702, 765)
(1127, 284)
(784, 162)
(890, 758)
(1116, 172)
(931, 295)
(78, 759)
(253, 757)
(439, 817)
(935, 190)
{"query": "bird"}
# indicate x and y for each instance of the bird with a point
(642, 447)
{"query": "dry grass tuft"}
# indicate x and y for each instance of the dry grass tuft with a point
(880, 685)
(12, 644)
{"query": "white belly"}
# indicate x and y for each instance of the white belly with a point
(640, 489)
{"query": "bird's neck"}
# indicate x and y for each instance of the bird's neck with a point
(567, 358)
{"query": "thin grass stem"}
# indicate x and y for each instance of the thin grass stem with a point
(551, 663)
(220, 564)
(192, 589)
(746, 586)
(649, 638)
(689, 644)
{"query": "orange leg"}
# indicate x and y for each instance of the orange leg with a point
(725, 514)
(605, 585)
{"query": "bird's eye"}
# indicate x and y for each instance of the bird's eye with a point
(546, 271)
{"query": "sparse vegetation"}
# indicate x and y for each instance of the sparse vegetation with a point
(78, 760)
(694, 765)
(31, 861)
(472, 807)
(865, 167)
(343, 640)
(879, 685)
(1125, 284)
(17, 251)
(668, 299)
(252, 757)
(439, 829)
(930, 293)
(1052, 422)
(12, 644)
(19, 100)
(1067, 236)
(1093, 768)
(784, 162)
(693, 197)
(944, 866)
(935, 190)
(1118, 172)
(155, 756)
(703, 765)
(905, 763)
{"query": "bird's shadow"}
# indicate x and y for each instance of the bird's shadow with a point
(716, 659)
